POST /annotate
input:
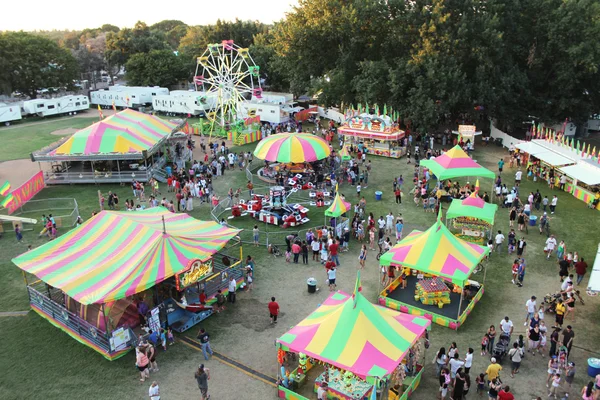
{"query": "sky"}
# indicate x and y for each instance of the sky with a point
(77, 15)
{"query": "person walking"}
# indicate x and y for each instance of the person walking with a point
(553, 204)
(555, 385)
(273, 310)
(515, 357)
(530, 306)
(459, 385)
(499, 240)
(441, 359)
(333, 252)
(202, 375)
(141, 362)
(154, 391)
(18, 233)
(204, 338)
(296, 250)
(580, 269)
(362, 258)
(331, 278)
(568, 336)
(491, 334)
(304, 252)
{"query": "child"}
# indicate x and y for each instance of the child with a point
(323, 252)
(515, 271)
(170, 337)
(288, 256)
(163, 339)
(484, 343)
(249, 280)
(521, 343)
(480, 380)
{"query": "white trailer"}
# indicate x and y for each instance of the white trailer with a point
(127, 96)
(268, 112)
(274, 97)
(61, 105)
(9, 113)
(184, 102)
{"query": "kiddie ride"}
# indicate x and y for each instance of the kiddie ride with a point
(273, 209)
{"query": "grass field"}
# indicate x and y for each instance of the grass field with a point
(40, 361)
(20, 140)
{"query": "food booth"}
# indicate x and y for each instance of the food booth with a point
(583, 180)
(378, 135)
(91, 281)
(473, 217)
(354, 349)
(439, 284)
(468, 133)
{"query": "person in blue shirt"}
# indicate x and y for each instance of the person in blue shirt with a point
(153, 337)
(399, 227)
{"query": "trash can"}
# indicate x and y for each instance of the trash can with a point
(532, 220)
(498, 142)
(593, 366)
(312, 285)
(378, 195)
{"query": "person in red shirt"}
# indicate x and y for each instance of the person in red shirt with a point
(202, 297)
(580, 269)
(333, 252)
(329, 264)
(296, 249)
(179, 196)
(505, 394)
(273, 310)
(169, 183)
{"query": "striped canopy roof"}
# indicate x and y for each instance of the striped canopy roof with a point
(344, 154)
(118, 254)
(127, 132)
(455, 163)
(292, 148)
(338, 207)
(437, 251)
(473, 207)
(351, 333)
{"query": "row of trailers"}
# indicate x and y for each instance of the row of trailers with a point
(66, 105)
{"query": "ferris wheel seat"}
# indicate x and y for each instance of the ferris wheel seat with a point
(243, 52)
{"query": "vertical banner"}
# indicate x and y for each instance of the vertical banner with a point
(26, 191)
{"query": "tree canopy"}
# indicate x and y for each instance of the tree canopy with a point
(156, 68)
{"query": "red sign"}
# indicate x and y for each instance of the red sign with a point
(26, 191)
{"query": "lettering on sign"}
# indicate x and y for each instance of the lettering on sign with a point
(196, 271)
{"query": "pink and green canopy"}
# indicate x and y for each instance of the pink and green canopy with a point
(338, 207)
(292, 148)
(127, 132)
(456, 163)
(344, 154)
(437, 251)
(351, 333)
(114, 255)
(473, 207)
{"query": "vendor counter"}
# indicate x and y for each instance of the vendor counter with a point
(382, 149)
(582, 194)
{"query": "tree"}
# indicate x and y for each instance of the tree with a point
(156, 68)
(31, 62)
(122, 45)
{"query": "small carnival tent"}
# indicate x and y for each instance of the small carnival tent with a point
(455, 163)
(112, 256)
(127, 140)
(473, 215)
(434, 256)
(344, 154)
(338, 208)
(292, 148)
(362, 342)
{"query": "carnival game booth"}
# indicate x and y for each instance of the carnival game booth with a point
(121, 148)
(467, 133)
(378, 135)
(361, 350)
(473, 217)
(338, 208)
(438, 285)
(583, 181)
(92, 280)
(455, 163)
(288, 157)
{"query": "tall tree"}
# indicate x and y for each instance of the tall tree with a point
(31, 62)
(156, 68)
(122, 45)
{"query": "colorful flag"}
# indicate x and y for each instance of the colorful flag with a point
(5, 188)
(385, 109)
(100, 112)
(8, 199)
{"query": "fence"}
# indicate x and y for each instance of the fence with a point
(64, 211)
(506, 138)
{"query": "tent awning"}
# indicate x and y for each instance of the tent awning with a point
(456, 163)
(554, 159)
(351, 333)
(531, 148)
(114, 255)
(594, 282)
(586, 171)
(458, 208)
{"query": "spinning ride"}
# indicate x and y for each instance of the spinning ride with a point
(227, 76)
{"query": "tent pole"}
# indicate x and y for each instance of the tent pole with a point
(462, 294)
(119, 171)
(105, 319)
(484, 272)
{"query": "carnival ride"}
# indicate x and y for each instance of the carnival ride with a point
(227, 75)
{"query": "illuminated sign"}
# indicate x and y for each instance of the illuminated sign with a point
(196, 271)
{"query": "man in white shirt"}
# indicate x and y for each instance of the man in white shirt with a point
(455, 364)
(530, 305)
(565, 284)
(518, 177)
(550, 246)
(499, 240)
(322, 391)
(389, 223)
(507, 326)
(232, 287)
(553, 204)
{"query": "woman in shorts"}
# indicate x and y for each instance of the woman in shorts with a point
(363, 256)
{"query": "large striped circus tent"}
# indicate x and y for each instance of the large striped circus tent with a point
(127, 132)
(351, 333)
(115, 255)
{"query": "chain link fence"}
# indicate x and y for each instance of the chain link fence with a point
(64, 210)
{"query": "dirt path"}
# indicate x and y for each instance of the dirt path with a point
(18, 171)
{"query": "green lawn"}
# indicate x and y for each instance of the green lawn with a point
(39, 360)
(20, 140)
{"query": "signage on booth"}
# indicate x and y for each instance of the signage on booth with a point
(196, 271)
(26, 191)
(356, 123)
(466, 129)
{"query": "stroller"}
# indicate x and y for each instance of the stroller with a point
(501, 348)
(550, 301)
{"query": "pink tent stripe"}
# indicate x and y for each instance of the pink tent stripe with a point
(451, 265)
(274, 149)
(474, 202)
(95, 139)
(370, 356)
(447, 162)
(141, 125)
(308, 150)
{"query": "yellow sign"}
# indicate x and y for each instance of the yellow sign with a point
(196, 271)
(466, 129)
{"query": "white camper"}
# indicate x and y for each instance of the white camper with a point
(9, 113)
(184, 102)
(267, 112)
(127, 96)
(58, 106)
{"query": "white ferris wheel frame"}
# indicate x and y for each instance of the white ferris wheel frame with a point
(225, 74)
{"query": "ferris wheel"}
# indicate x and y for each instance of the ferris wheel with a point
(227, 76)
